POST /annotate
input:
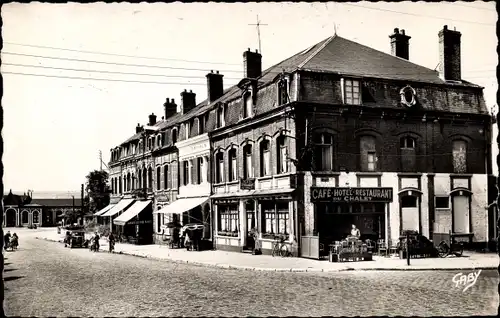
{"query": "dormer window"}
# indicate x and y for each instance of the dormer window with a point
(247, 104)
(351, 91)
(283, 97)
(186, 127)
(174, 136)
(220, 117)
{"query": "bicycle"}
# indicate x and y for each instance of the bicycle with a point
(280, 247)
(456, 248)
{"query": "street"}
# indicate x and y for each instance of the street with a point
(45, 279)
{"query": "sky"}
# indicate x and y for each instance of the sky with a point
(61, 108)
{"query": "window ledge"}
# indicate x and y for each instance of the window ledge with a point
(264, 178)
(409, 174)
(369, 174)
(219, 184)
(468, 175)
(232, 182)
(326, 173)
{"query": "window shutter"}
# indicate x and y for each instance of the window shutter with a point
(169, 175)
(193, 171)
(208, 165)
(175, 175)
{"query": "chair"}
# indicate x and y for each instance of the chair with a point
(382, 247)
(392, 249)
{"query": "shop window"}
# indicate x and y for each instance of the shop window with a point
(459, 156)
(408, 201)
(324, 152)
(248, 167)
(276, 219)
(219, 159)
(158, 178)
(228, 220)
(265, 158)
(351, 90)
(442, 202)
(232, 165)
(368, 153)
(185, 170)
(247, 105)
(282, 152)
(283, 92)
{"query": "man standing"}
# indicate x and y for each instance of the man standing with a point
(6, 239)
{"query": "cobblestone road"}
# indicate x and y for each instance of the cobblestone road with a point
(45, 279)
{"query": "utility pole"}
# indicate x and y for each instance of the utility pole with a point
(100, 158)
(258, 24)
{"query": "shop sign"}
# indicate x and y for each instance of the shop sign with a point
(141, 222)
(247, 184)
(351, 194)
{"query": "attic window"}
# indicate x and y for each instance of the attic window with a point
(201, 124)
(174, 136)
(220, 117)
(247, 104)
(351, 91)
(283, 92)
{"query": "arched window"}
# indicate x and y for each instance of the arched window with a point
(282, 153)
(459, 156)
(150, 179)
(120, 185)
(139, 179)
(219, 161)
(158, 178)
(128, 181)
(408, 154)
(132, 183)
(265, 158)
(165, 177)
(233, 172)
(323, 151)
(247, 105)
(144, 178)
(248, 165)
(368, 152)
(25, 217)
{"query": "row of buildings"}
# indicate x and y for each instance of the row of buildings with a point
(335, 135)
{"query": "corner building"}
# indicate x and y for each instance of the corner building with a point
(343, 134)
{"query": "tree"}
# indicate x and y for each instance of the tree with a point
(98, 190)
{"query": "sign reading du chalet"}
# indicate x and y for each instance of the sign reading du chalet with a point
(351, 194)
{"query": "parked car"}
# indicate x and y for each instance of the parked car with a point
(77, 239)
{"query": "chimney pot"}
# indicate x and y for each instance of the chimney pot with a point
(185, 90)
(402, 31)
(256, 51)
(449, 54)
(173, 101)
(396, 30)
(217, 72)
(445, 27)
(190, 91)
(168, 100)
(248, 50)
(211, 71)
(400, 46)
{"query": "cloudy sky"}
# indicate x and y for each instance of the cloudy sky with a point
(61, 107)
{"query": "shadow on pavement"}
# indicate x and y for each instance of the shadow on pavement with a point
(5, 264)
(9, 269)
(7, 279)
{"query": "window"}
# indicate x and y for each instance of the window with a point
(408, 201)
(459, 156)
(283, 92)
(201, 124)
(163, 138)
(324, 152)
(158, 221)
(407, 154)
(35, 217)
(171, 184)
(113, 186)
(186, 129)
(368, 153)
(129, 181)
(150, 179)
(158, 178)
(174, 136)
(442, 202)
(232, 165)
(265, 158)
(219, 161)
(247, 167)
(144, 178)
(199, 168)
(186, 172)
(165, 177)
(220, 117)
(276, 218)
(228, 219)
(352, 94)
(248, 105)
(407, 143)
(282, 153)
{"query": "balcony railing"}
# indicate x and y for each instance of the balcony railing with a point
(281, 181)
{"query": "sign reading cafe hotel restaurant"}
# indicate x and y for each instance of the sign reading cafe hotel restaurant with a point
(351, 194)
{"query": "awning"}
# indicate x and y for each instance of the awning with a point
(121, 205)
(104, 210)
(133, 211)
(182, 205)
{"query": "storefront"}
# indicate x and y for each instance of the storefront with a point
(269, 213)
(136, 223)
(336, 210)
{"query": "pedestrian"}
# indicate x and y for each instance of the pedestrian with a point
(6, 240)
(96, 238)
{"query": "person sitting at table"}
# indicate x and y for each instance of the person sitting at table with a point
(355, 232)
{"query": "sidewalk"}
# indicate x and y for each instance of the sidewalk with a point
(234, 260)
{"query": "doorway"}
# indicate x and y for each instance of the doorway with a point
(10, 218)
(250, 224)
(461, 214)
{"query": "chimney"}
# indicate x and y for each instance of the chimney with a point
(449, 55)
(252, 63)
(400, 44)
(215, 86)
(138, 129)
(152, 119)
(170, 108)
(188, 101)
